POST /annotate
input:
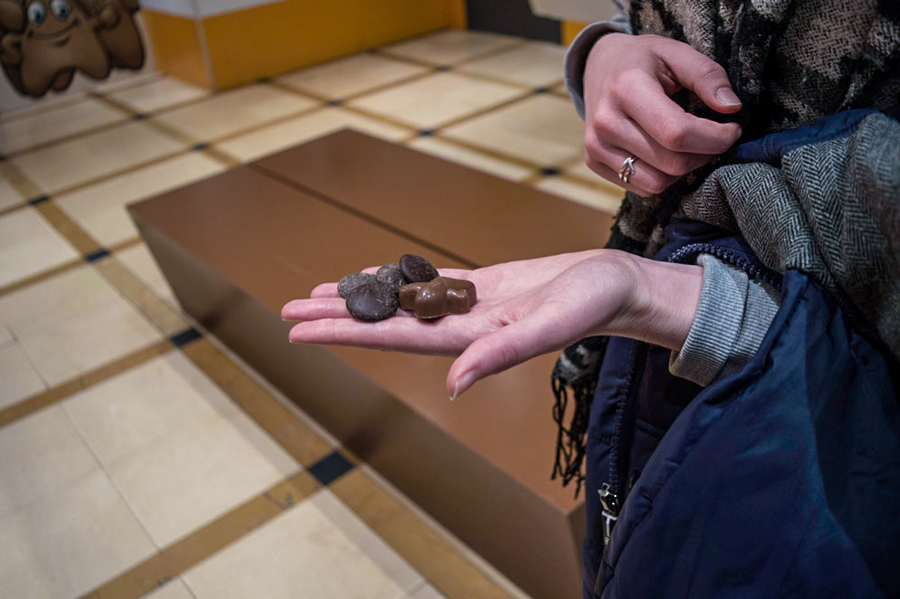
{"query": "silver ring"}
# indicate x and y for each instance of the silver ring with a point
(627, 168)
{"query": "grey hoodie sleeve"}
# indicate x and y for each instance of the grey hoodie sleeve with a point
(577, 54)
(733, 316)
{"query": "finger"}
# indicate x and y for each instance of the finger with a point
(501, 350)
(408, 335)
(645, 181)
(643, 99)
(315, 309)
(703, 76)
(626, 135)
(325, 290)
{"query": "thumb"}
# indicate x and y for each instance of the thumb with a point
(703, 76)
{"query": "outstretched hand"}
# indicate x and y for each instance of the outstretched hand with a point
(525, 309)
(628, 81)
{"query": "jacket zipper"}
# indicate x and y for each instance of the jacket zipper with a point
(611, 492)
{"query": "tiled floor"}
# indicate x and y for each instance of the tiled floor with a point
(141, 458)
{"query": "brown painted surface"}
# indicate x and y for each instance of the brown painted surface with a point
(237, 246)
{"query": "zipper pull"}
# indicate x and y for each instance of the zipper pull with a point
(610, 503)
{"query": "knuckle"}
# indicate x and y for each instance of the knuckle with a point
(657, 184)
(677, 164)
(674, 135)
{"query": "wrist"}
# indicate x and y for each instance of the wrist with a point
(663, 302)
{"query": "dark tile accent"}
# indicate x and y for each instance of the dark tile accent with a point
(141, 116)
(2, 157)
(184, 337)
(335, 102)
(39, 200)
(98, 255)
(264, 80)
(199, 147)
(550, 171)
(541, 90)
(427, 132)
(444, 68)
(330, 468)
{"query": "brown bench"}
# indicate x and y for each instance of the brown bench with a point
(239, 245)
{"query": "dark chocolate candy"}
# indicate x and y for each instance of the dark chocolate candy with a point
(373, 300)
(351, 282)
(417, 269)
(438, 297)
(391, 274)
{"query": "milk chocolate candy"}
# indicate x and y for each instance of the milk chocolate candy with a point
(417, 269)
(351, 282)
(438, 297)
(372, 301)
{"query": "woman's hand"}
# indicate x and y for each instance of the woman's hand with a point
(524, 309)
(628, 112)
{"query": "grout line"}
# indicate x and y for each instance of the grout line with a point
(81, 382)
(175, 559)
(41, 276)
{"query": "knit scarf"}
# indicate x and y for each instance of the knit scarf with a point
(790, 62)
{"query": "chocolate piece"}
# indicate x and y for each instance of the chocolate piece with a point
(373, 300)
(391, 274)
(417, 269)
(438, 297)
(351, 282)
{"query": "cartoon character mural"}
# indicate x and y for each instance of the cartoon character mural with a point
(43, 42)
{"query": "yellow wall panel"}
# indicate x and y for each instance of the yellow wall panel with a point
(177, 47)
(570, 30)
(275, 38)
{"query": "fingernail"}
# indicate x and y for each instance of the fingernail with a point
(726, 97)
(463, 383)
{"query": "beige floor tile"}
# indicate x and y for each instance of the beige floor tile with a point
(186, 479)
(536, 64)
(64, 297)
(268, 140)
(97, 336)
(471, 158)
(435, 100)
(161, 93)
(542, 129)
(6, 335)
(40, 454)
(299, 553)
(121, 416)
(233, 111)
(9, 195)
(452, 46)
(20, 379)
(29, 245)
(340, 79)
(69, 119)
(601, 199)
(67, 544)
(363, 537)
(174, 589)
(95, 155)
(100, 208)
(140, 261)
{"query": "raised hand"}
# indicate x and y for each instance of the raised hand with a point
(628, 112)
(524, 309)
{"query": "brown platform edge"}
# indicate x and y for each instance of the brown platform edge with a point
(527, 526)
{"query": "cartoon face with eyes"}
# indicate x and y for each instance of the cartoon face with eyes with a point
(45, 41)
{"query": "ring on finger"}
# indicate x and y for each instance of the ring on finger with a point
(627, 169)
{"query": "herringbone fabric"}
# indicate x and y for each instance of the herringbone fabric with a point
(827, 211)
